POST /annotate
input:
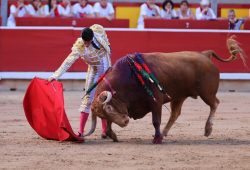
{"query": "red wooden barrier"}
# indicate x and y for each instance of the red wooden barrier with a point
(44, 49)
(76, 22)
(247, 25)
(186, 24)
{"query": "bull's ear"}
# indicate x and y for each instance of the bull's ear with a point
(97, 109)
(108, 108)
(104, 97)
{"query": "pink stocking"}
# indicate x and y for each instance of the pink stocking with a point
(104, 126)
(83, 119)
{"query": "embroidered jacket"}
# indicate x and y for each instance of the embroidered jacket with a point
(92, 55)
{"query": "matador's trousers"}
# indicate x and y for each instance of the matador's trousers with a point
(94, 72)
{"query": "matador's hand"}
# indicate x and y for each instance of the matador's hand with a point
(50, 79)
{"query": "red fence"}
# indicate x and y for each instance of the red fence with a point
(76, 22)
(124, 23)
(247, 25)
(45, 49)
(186, 24)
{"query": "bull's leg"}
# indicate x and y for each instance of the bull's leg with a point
(213, 103)
(175, 112)
(156, 120)
(110, 133)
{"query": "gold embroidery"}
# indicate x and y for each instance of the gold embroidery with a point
(89, 54)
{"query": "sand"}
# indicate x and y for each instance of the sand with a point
(185, 148)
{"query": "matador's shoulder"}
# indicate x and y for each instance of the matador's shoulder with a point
(97, 29)
(78, 45)
(101, 36)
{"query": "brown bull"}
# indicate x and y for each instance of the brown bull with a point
(182, 74)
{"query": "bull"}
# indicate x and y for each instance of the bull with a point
(181, 74)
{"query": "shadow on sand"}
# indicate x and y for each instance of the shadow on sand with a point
(139, 141)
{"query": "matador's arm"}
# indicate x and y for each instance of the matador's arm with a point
(76, 50)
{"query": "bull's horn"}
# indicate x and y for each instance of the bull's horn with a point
(93, 126)
(105, 97)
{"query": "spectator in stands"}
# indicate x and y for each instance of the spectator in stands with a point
(65, 9)
(83, 9)
(204, 12)
(168, 11)
(148, 10)
(234, 23)
(36, 9)
(184, 12)
(52, 8)
(18, 9)
(104, 9)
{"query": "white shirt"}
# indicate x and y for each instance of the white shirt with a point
(188, 14)
(78, 9)
(42, 11)
(45, 10)
(63, 11)
(104, 12)
(209, 15)
(21, 13)
(170, 15)
(145, 11)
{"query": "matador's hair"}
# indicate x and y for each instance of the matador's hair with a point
(87, 34)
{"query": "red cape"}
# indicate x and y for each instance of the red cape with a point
(44, 109)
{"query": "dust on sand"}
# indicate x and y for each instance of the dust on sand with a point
(185, 148)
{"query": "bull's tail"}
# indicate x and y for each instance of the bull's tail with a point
(233, 48)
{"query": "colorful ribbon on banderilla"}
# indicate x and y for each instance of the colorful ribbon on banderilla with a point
(143, 72)
(96, 83)
(152, 78)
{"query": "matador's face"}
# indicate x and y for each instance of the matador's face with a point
(87, 43)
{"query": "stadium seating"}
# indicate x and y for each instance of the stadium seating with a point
(75, 22)
(186, 24)
(130, 10)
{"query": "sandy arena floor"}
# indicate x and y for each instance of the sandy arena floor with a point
(185, 148)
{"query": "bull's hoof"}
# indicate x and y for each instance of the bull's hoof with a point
(165, 133)
(112, 135)
(157, 140)
(208, 131)
(115, 140)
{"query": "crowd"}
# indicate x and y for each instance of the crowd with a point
(150, 10)
(105, 9)
(82, 9)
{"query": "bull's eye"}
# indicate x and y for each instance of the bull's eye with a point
(108, 108)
